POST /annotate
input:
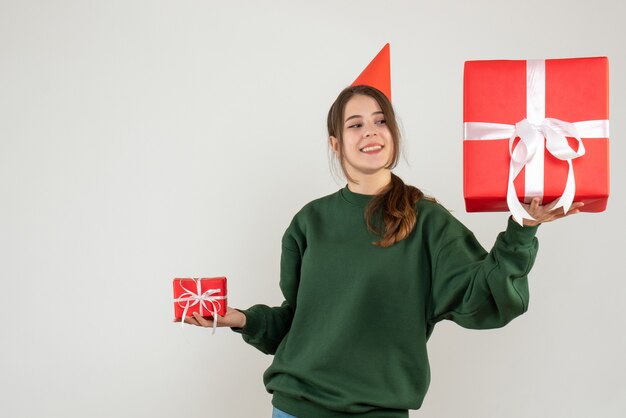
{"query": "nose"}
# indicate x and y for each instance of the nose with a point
(370, 130)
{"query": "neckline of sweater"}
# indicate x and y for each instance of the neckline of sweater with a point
(356, 199)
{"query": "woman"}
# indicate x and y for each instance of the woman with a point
(368, 271)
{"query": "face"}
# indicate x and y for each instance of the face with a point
(367, 141)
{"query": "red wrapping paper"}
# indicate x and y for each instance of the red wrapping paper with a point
(576, 90)
(186, 294)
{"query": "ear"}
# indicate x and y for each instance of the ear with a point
(334, 144)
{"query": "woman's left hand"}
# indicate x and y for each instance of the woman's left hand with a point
(547, 213)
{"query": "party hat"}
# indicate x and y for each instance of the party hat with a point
(378, 73)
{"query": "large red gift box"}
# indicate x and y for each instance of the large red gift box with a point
(542, 94)
(205, 296)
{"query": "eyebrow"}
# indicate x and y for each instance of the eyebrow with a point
(359, 116)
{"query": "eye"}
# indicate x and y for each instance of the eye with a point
(356, 125)
(381, 122)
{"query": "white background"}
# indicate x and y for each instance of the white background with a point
(146, 140)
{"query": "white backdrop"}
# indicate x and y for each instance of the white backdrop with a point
(146, 140)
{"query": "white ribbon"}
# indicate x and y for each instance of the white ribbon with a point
(198, 297)
(529, 152)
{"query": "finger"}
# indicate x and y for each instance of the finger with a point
(203, 322)
(528, 208)
(576, 205)
(531, 207)
(550, 206)
(575, 208)
(558, 215)
(560, 211)
(191, 321)
(572, 211)
(534, 205)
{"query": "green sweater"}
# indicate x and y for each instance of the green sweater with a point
(350, 338)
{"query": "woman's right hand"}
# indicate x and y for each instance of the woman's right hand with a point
(233, 318)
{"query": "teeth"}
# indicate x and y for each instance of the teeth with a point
(372, 148)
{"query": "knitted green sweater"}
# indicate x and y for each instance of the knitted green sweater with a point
(350, 338)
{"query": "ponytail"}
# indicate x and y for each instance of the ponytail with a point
(396, 203)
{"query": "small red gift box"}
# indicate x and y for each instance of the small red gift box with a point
(207, 296)
(536, 128)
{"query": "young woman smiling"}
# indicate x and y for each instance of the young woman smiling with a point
(367, 272)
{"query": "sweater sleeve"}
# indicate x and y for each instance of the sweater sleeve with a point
(267, 326)
(477, 289)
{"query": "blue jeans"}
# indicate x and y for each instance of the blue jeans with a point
(277, 413)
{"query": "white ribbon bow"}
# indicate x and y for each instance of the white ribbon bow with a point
(198, 297)
(532, 137)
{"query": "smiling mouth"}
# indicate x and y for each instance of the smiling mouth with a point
(372, 148)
